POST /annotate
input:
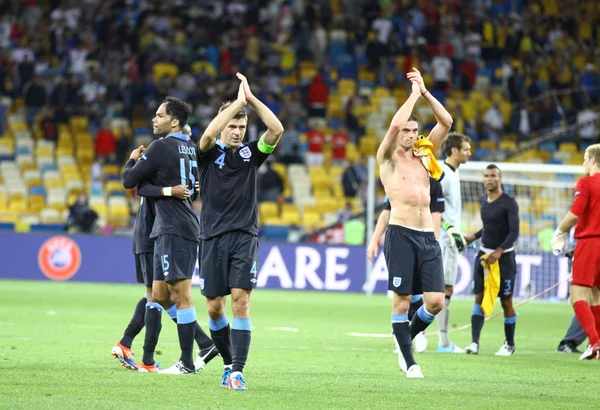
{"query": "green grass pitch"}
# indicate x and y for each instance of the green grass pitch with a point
(55, 341)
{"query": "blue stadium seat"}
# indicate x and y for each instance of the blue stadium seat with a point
(22, 150)
(274, 233)
(482, 153)
(48, 167)
(551, 218)
(7, 227)
(37, 190)
(47, 228)
(142, 131)
(547, 146)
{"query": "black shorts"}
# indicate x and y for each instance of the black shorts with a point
(227, 261)
(174, 258)
(144, 268)
(508, 272)
(414, 261)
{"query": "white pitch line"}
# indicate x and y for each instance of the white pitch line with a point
(374, 335)
(283, 329)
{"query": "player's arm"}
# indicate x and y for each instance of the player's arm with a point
(443, 117)
(148, 190)
(512, 212)
(218, 124)
(140, 166)
(580, 203)
(513, 225)
(390, 141)
(437, 205)
(474, 237)
(380, 227)
(271, 137)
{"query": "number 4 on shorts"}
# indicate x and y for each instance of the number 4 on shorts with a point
(253, 270)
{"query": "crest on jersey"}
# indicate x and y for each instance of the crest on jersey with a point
(397, 281)
(246, 153)
(59, 258)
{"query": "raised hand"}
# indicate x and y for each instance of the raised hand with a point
(242, 94)
(137, 153)
(415, 76)
(247, 91)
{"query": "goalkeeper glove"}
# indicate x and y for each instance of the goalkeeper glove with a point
(458, 238)
(557, 242)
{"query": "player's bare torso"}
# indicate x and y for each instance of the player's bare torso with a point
(406, 184)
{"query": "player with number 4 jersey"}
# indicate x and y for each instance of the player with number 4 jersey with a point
(170, 161)
(228, 256)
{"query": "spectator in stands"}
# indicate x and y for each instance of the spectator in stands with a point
(316, 143)
(318, 95)
(293, 157)
(354, 179)
(97, 177)
(339, 141)
(522, 121)
(587, 126)
(106, 142)
(589, 84)
(270, 184)
(35, 99)
(442, 71)
(493, 122)
(123, 148)
(82, 218)
(48, 123)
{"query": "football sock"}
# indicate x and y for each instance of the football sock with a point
(443, 318)
(596, 312)
(186, 326)
(415, 304)
(477, 320)
(420, 321)
(402, 334)
(221, 336)
(152, 318)
(509, 329)
(586, 320)
(241, 329)
(136, 324)
(200, 335)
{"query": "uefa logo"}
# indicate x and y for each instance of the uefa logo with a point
(59, 258)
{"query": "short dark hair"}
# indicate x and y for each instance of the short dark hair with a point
(494, 166)
(241, 114)
(454, 140)
(178, 110)
(414, 118)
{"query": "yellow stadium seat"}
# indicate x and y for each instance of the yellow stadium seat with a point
(290, 218)
(36, 203)
(9, 217)
(368, 146)
(18, 126)
(114, 186)
(289, 208)
(321, 193)
(281, 169)
(321, 183)
(268, 210)
(486, 144)
(568, 146)
(18, 206)
(327, 204)
(507, 145)
(311, 218)
(273, 220)
(54, 183)
(118, 215)
(338, 190)
(79, 123)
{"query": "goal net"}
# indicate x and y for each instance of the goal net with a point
(544, 194)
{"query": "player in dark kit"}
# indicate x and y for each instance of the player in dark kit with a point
(228, 224)
(148, 311)
(143, 250)
(500, 217)
(168, 161)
